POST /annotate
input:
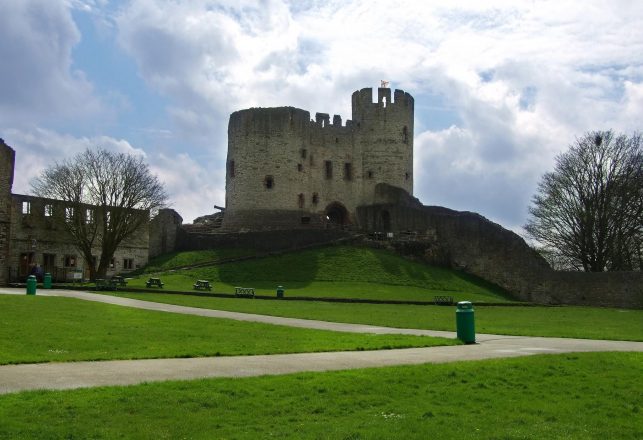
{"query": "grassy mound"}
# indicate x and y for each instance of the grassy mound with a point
(336, 271)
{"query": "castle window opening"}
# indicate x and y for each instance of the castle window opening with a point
(128, 263)
(406, 176)
(70, 261)
(231, 168)
(384, 102)
(301, 201)
(303, 153)
(348, 171)
(49, 210)
(300, 167)
(69, 213)
(405, 135)
(108, 219)
(337, 140)
(26, 207)
(329, 169)
(269, 182)
(89, 216)
(315, 198)
(370, 174)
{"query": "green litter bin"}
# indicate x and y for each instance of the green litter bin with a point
(31, 285)
(46, 282)
(465, 323)
(280, 291)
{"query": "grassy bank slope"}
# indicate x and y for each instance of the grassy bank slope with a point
(340, 271)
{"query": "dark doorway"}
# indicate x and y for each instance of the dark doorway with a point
(26, 263)
(386, 221)
(49, 263)
(336, 214)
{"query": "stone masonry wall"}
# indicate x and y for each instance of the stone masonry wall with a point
(7, 161)
(260, 241)
(164, 228)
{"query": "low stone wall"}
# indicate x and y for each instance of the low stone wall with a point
(608, 289)
(261, 241)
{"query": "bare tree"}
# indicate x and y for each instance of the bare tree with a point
(108, 197)
(588, 212)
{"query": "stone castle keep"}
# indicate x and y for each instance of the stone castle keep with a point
(285, 170)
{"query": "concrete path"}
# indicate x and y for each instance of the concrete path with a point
(15, 378)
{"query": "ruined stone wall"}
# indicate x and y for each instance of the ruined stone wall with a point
(164, 228)
(469, 242)
(608, 289)
(38, 235)
(260, 241)
(7, 161)
(285, 171)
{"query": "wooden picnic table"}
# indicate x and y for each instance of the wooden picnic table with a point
(202, 285)
(154, 282)
(103, 284)
(119, 280)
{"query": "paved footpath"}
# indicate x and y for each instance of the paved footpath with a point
(66, 375)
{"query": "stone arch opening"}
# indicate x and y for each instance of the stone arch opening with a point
(337, 214)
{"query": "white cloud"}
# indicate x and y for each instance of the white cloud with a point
(193, 186)
(37, 80)
(38, 148)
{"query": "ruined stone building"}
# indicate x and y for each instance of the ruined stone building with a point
(32, 231)
(287, 171)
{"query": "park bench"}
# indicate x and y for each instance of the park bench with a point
(102, 284)
(154, 282)
(440, 300)
(244, 292)
(202, 285)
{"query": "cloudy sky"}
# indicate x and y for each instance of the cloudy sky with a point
(501, 87)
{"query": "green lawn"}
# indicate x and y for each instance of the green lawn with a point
(572, 396)
(571, 322)
(43, 329)
(337, 271)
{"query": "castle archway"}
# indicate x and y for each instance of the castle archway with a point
(337, 214)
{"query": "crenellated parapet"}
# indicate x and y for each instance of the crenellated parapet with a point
(364, 108)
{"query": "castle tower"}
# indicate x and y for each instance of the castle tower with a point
(286, 171)
(7, 162)
(384, 134)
